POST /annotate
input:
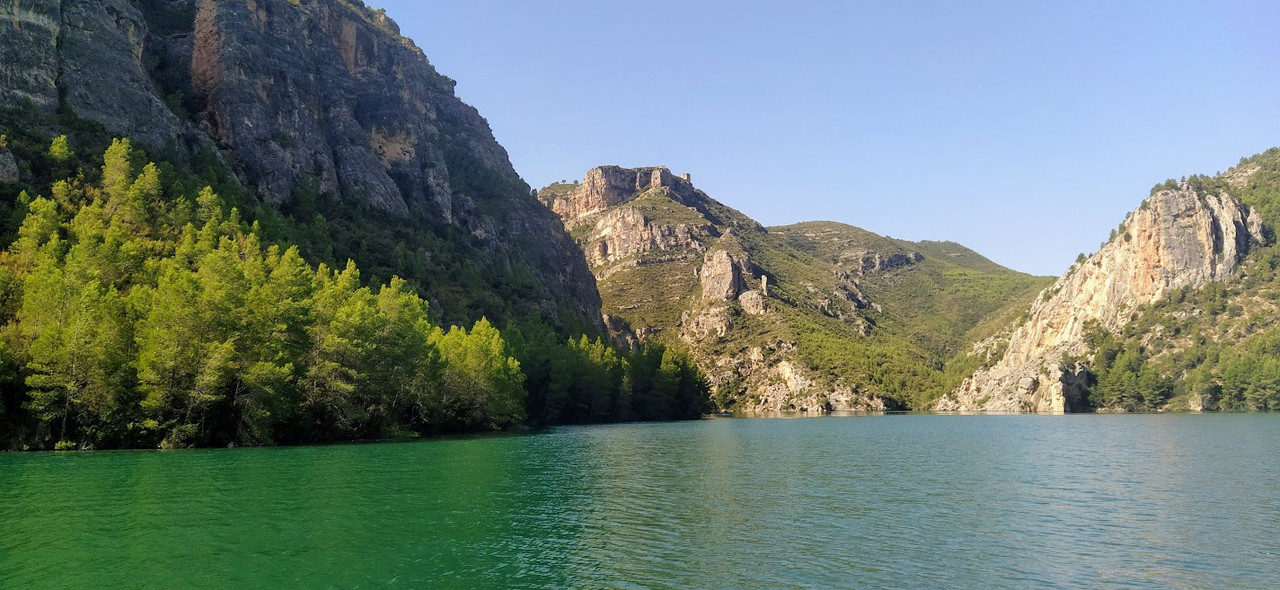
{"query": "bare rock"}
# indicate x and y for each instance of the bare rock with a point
(721, 276)
(29, 52)
(87, 53)
(102, 75)
(608, 186)
(881, 262)
(624, 232)
(8, 167)
(754, 303)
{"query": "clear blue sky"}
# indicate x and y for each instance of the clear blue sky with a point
(1025, 130)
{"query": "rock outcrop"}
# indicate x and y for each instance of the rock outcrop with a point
(881, 262)
(721, 277)
(754, 302)
(1176, 238)
(624, 233)
(8, 167)
(616, 231)
(607, 186)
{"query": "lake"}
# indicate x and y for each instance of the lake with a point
(916, 501)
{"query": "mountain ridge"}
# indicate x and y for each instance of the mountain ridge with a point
(776, 318)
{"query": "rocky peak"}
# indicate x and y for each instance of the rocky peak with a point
(608, 186)
(1177, 238)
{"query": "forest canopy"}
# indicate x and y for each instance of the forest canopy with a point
(139, 313)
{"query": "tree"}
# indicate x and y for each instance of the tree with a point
(60, 150)
(482, 385)
(80, 348)
(117, 170)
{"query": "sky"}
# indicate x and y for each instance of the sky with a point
(1024, 130)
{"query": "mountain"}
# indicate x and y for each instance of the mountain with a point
(335, 130)
(815, 316)
(272, 222)
(1163, 316)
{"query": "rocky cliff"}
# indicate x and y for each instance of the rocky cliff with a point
(300, 97)
(1178, 237)
(86, 54)
(777, 319)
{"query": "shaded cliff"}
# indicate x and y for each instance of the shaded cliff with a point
(1183, 236)
(778, 318)
(321, 108)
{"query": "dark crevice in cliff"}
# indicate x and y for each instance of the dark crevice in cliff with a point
(59, 44)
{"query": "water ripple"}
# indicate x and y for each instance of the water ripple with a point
(866, 502)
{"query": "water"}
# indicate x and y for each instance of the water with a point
(870, 502)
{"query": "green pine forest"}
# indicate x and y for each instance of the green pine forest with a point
(141, 307)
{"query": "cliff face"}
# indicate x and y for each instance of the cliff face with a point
(314, 95)
(1177, 238)
(88, 54)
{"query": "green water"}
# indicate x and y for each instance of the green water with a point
(869, 502)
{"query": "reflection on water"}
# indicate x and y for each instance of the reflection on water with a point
(882, 501)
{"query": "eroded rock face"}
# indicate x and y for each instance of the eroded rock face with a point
(793, 391)
(712, 322)
(624, 233)
(102, 74)
(29, 32)
(89, 52)
(1177, 238)
(616, 235)
(316, 92)
(721, 277)
(881, 262)
(754, 302)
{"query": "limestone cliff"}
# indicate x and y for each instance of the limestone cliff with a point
(299, 96)
(1179, 237)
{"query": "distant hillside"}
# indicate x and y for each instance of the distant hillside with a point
(941, 295)
(806, 317)
(1177, 310)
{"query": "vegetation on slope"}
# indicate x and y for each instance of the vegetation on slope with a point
(900, 351)
(930, 311)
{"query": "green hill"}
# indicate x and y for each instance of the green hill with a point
(850, 321)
